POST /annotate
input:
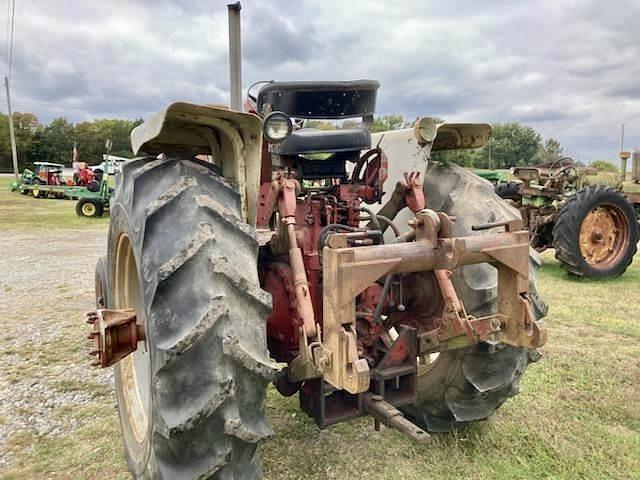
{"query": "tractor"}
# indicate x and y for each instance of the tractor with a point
(87, 177)
(585, 215)
(246, 249)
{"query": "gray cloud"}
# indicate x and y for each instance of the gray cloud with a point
(568, 69)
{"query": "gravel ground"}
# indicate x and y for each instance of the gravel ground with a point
(46, 284)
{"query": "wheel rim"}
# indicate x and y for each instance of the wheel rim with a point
(88, 209)
(604, 236)
(134, 370)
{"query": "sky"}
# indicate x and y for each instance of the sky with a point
(569, 69)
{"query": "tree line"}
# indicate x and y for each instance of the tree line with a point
(511, 143)
(53, 142)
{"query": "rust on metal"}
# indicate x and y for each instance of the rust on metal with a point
(115, 335)
(287, 191)
(390, 416)
(414, 194)
(347, 271)
(604, 235)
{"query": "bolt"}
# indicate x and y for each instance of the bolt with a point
(95, 363)
(91, 335)
(376, 398)
(94, 352)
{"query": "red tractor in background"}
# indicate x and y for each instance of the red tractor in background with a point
(84, 176)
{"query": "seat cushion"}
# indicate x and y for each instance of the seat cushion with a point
(311, 140)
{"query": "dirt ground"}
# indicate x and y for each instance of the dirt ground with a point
(46, 285)
(577, 414)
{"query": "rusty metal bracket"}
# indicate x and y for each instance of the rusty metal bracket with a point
(115, 335)
(344, 279)
(348, 270)
(312, 359)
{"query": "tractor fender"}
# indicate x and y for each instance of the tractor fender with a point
(232, 140)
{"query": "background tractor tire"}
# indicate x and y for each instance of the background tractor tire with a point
(88, 207)
(596, 233)
(101, 282)
(93, 186)
(509, 191)
(470, 384)
(192, 404)
(37, 193)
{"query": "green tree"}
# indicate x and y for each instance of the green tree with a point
(511, 144)
(604, 166)
(551, 150)
(55, 141)
(465, 158)
(389, 122)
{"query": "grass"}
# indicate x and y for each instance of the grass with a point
(24, 212)
(577, 415)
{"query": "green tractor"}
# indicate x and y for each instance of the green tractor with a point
(93, 202)
(585, 215)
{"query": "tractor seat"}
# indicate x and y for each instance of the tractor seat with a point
(311, 140)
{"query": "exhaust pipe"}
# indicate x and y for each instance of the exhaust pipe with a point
(235, 57)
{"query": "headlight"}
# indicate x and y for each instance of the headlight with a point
(277, 126)
(425, 130)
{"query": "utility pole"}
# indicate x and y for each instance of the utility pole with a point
(624, 156)
(490, 162)
(14, 153)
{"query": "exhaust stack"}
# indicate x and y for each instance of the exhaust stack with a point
(235, 57)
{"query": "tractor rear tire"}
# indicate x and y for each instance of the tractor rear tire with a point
(596, 233)
(93, 186)
(509, 191)
(89, 207)
(469, 384)
(192, 402)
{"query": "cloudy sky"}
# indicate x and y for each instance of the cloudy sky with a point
(570, 69)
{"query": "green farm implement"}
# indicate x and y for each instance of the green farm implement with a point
(588, 217)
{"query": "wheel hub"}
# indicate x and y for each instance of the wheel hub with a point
(603, 236)
(88, 209)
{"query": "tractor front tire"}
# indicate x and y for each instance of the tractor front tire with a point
(466, 385)
(88, 207)
(192, 401)
(596, 233)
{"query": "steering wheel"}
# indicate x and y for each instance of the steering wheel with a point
(253, 97)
